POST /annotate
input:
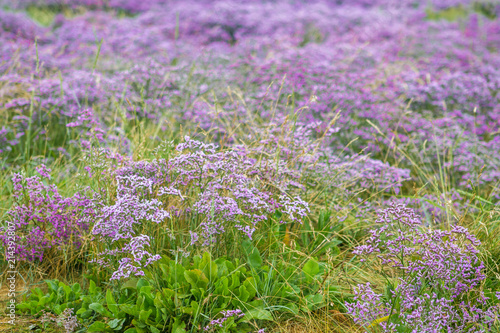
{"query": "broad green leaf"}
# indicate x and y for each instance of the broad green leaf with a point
(53, 285)
(251, 286)
(141, 283)
(168, 293)
(139, 325)
(131, 330)
(258, 314)
(235, 280)
(97, 307)
(254, 259)
(314, 301)
(98, 326)
(129, 308)
(92, 288)
(144, 315)
(195, 306)
(293, 308)
(196, 278)
(76, 288)
(154, 329)
(243, 294)
(222, 286)
(67, 291)
(247, 247)
(116, 324)
(85, 314)
(178, 326)
(37, 292)
(57, 309)
(111, 303)
(311, 268)
(208, 267)
(131, 284)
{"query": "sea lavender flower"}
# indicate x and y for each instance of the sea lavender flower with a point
(66, 319)
(435, 271)
(44, 219)
(225, 316)
(223, 189)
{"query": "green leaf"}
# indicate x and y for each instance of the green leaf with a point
(53, 285)
(139, 325)
(222, 287)
(57, 309)
(254, 259)
(131, 330)
(111, 303)
(67, 291)
(92, 288)
(144, 315)
(293, 308)
(314, 301)
(154, 329)
(23, 306)
(85, 314)
(44, 300)
(258, 314)
(76, 288)
(177, 273)
(167, 293)
(208, 267)
(147, 293)
(247, 247)
(97, 307)
(142, 283)
(98, 326)
(193, 309)
(116, 324)
(130, 284)
(178, 326)
(165, 271)
(129, 309)
(243, 294)
(196, 278)
(235, 280)
(311, 268)
(251, 286)
(37, 292)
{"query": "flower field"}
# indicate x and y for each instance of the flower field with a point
(250, 166)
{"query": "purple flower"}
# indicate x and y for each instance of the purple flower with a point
(435, 271)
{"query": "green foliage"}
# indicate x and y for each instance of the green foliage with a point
(449, 14)
(317, 238)
(59, 297)
(185, 295)
(486, 8)
(194, 292)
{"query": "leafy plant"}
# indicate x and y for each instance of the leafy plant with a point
(59, 297)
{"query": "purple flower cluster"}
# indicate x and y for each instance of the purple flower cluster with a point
(66, 319)
(43, 219)
(224, 190)
(423, 84)
(441, 209)
(436, 273)
(225, 316)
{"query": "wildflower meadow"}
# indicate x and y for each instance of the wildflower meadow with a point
(250, 166)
